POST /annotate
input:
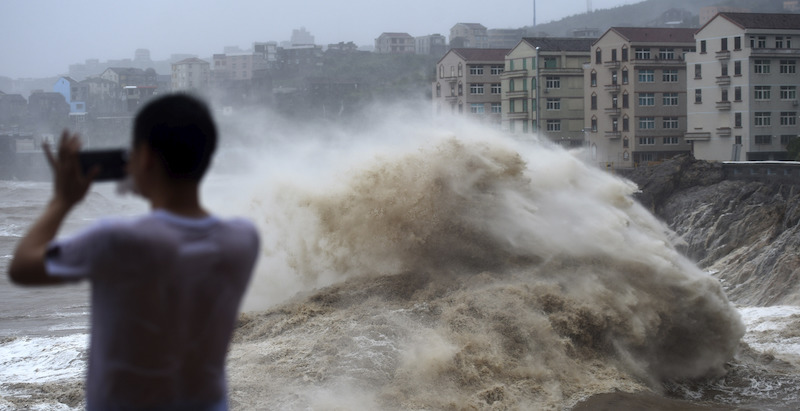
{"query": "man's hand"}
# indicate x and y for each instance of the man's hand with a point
(69, 188)
(69, 184)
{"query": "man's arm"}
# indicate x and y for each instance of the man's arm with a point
(69, 188)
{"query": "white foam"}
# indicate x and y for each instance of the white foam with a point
(766, 326)
(43, 359)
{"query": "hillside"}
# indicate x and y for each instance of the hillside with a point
(746, 233)
(646, 14)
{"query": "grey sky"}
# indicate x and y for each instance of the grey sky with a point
(41, 38)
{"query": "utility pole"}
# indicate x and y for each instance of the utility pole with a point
(534, 19)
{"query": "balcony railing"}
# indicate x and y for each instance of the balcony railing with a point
(723, 105)
(517, 93)
(613, 134)
(611, 87)
(724, 80)
(517, 115)
(612, 111)
(611, 64)
(697, 136)
(723, 131)
(723, 55)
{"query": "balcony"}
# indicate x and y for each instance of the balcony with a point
(613, 134)
(611, 87)
(724, 80)
(519, 115)
(723, 55)
(514, 74)
(697, 136)
(614, 64)
(723, 105)
(723, 131)
(517, 93)
(612, 111)
(451, 97)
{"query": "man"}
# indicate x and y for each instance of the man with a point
(166, 286)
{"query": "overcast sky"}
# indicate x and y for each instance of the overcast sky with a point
(40, 38)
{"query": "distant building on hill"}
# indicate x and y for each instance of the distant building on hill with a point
(395, 43)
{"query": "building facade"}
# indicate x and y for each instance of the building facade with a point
(468, 83)
(543, 88)
(469, 35)
(635, 107)
(743, 85)
(431, 45)
(191, 74)
(395, 43)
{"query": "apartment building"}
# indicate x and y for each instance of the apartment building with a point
(191, 74)
(395, 43)
(468, 82)
(469, 35)
(543, 88)
(432, 44)
(743, 87)
(635, 107)
(238, 66)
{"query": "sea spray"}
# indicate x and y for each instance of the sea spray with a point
(470, 272)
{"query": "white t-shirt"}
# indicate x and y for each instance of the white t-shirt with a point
(166, 292)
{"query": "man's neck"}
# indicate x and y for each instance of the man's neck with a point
(179, 198)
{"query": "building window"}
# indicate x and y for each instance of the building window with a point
(625, 99)
(723, 44)
(737, 93)
(624, 76)
(613, 54)
(511, 106)
(554, 104)
(702, 47)
(698, 71)
(476, 108)
(647, 141)
(737, 68)
(647, 123)
(761, 66)
(788, 92)
(647, 76)
(524, 84)
(761, 92)
(669, 76)
(724, 95)
(624, 53)
(598, 56)
(593, 102)
(762, 42)
(642, 53)
(553, 125)
(438, 90)
(764, 140)
(671, 141)
(552, 82)
(460, 89)
(496, 88)
(614, 77)
(497, 108)
(594, 124)
(786, 139)
(788, 67)
(496, 70)
(626, 123)
(476, 70)
(460, 70)
(737, 120)
(737, 140)
(670, 122)
(647, 99)
(670, 99)
(698, 96)
(788, 118)
(593, 77)
(762, 119)
(779, 42)
(724, 70)
(737, 43)
(666, 54)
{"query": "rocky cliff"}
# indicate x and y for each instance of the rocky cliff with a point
(744, 232)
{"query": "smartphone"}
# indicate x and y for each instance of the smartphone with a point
(112, 163)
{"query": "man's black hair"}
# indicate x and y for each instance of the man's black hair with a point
(180, 130)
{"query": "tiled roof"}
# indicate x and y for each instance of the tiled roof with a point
(560, 43)
(471, 54)
(656, 34)
(396, 34)
(473, 25)
(779, 21)
(191, 60)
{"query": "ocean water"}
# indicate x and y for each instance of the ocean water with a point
(432, 266)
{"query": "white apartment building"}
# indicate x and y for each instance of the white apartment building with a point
(468, 82)
(190, 74)
(635, 106)
(395, 43)
(543, 88)
(742, 87)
